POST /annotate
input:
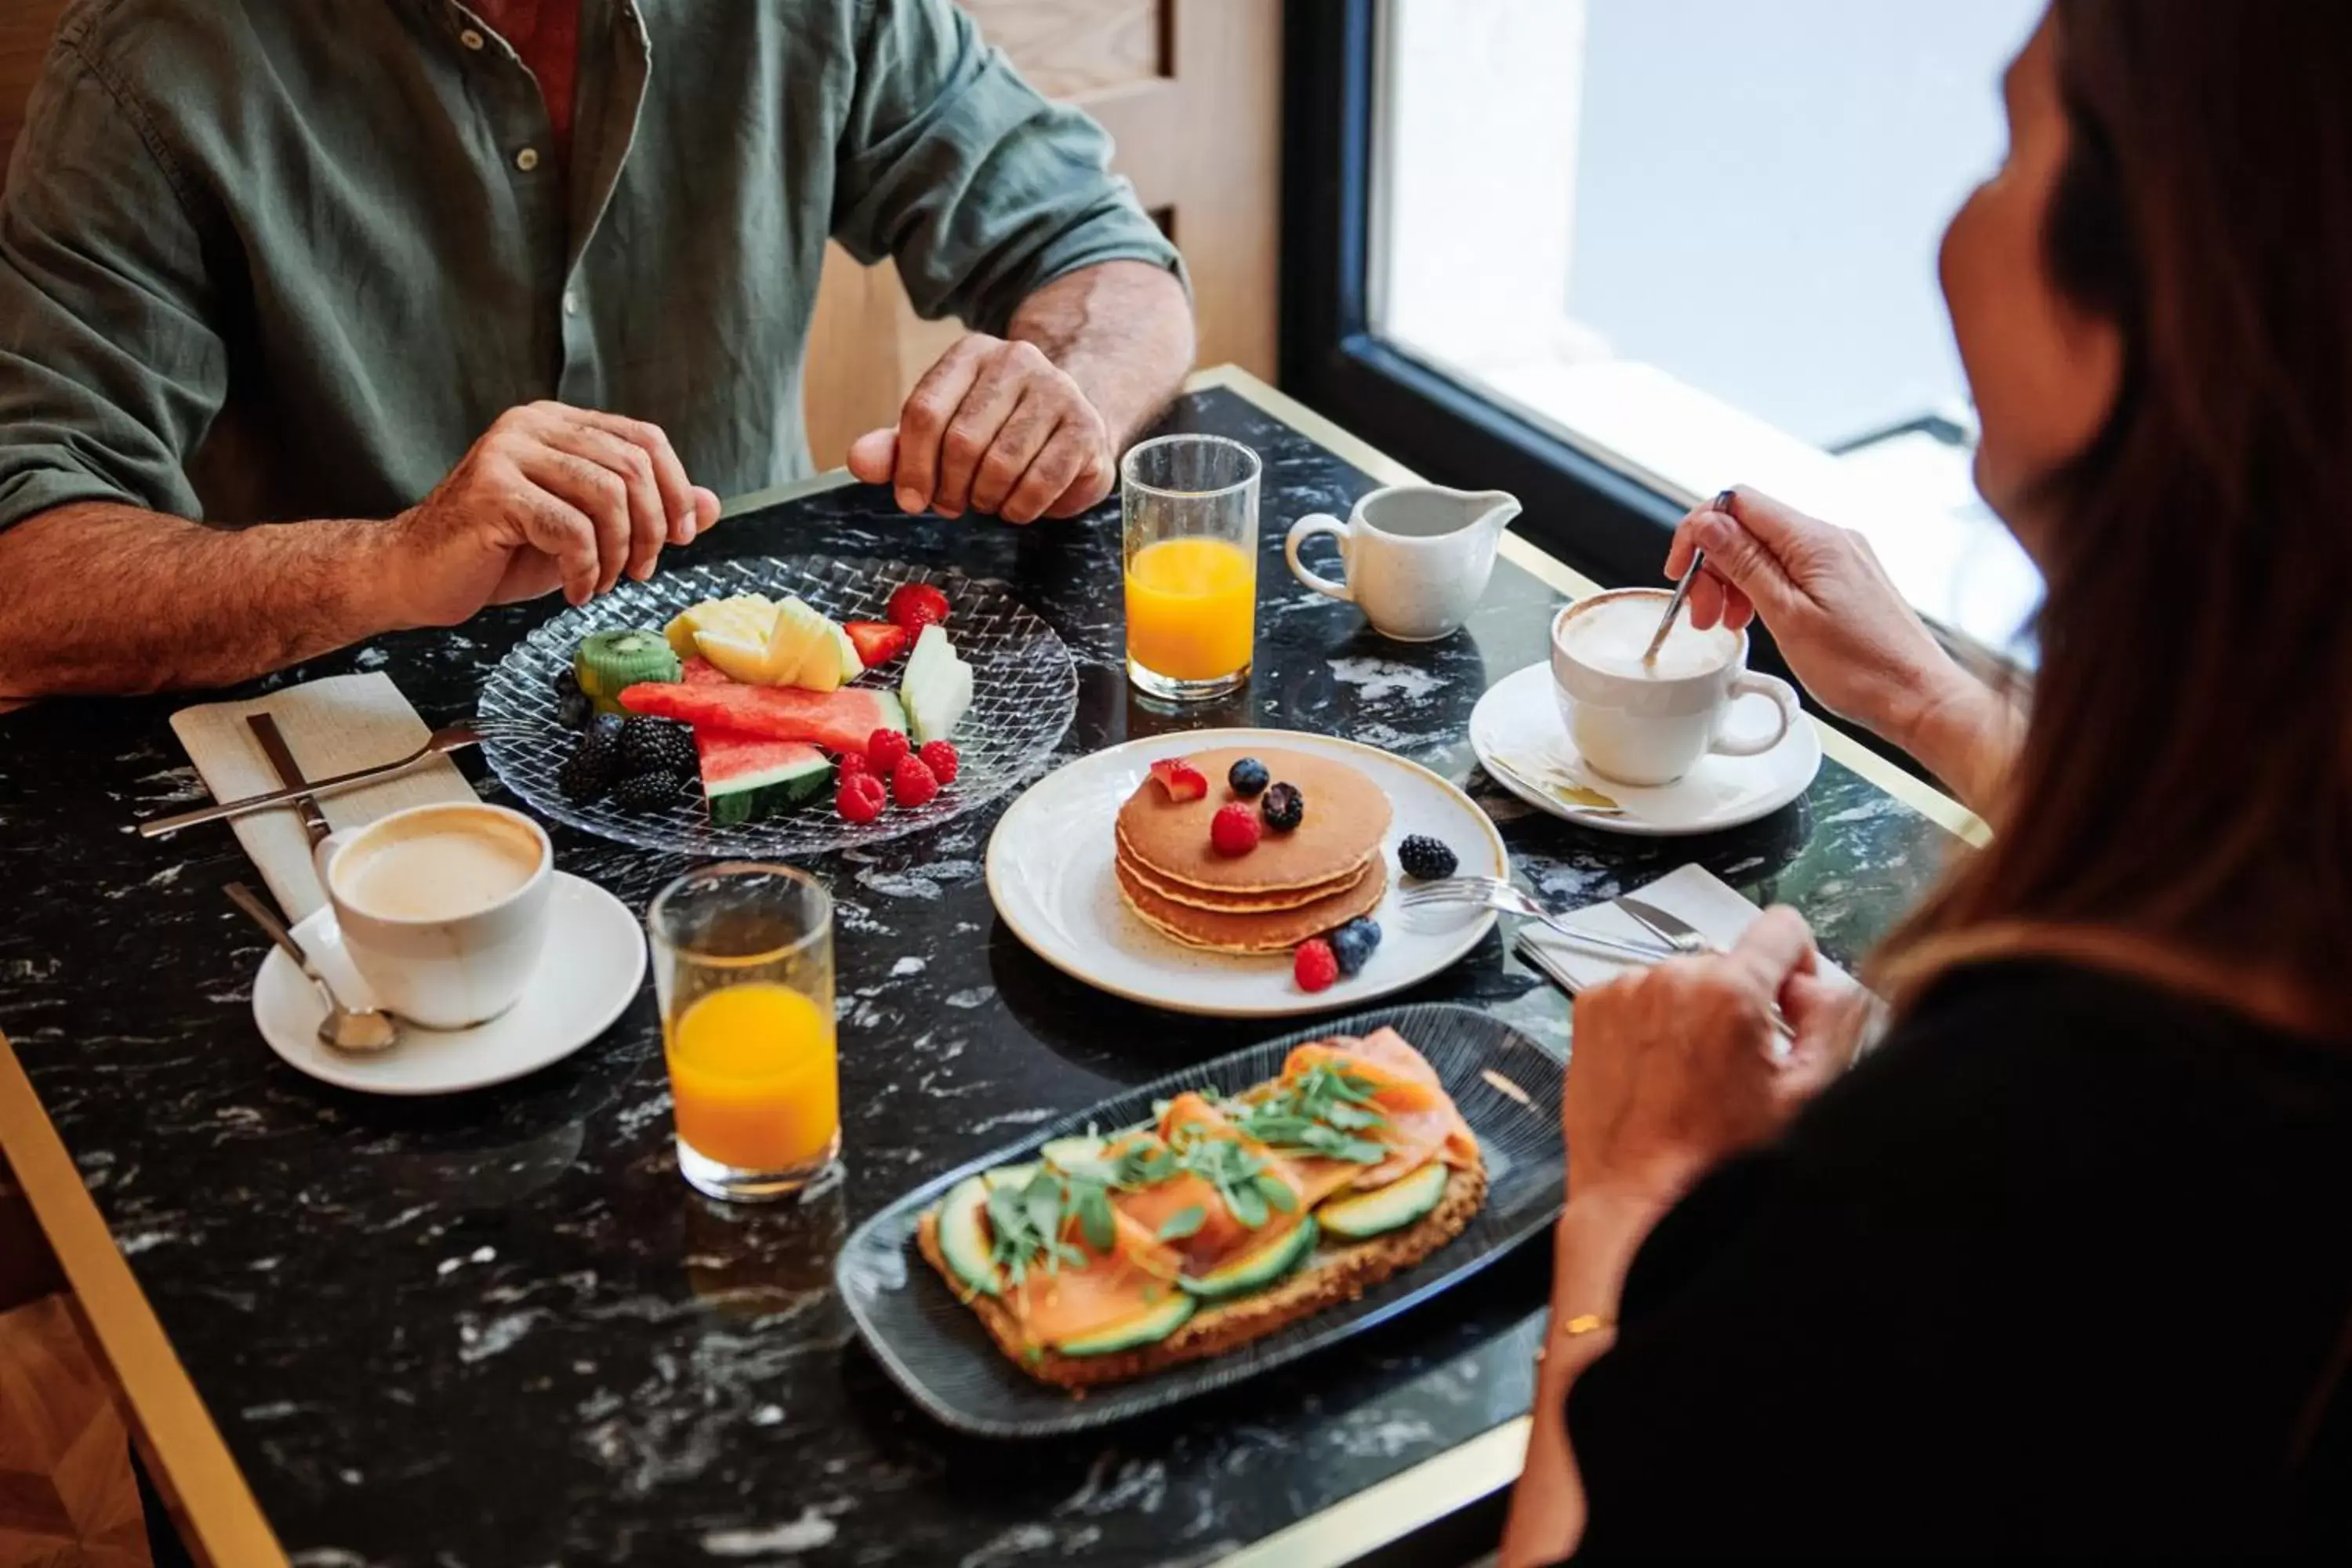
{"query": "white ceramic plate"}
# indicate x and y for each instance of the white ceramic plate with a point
(596, 959)
(1519, 717)
(1049, 871)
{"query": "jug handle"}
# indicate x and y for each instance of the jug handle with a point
(1305, 529)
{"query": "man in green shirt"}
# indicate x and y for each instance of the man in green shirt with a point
(335, 269)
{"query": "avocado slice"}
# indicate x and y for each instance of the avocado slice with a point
(963, 1234)
(1156, 1324)
(1384, 1209)
(1078, 1149)
(1256, 1269)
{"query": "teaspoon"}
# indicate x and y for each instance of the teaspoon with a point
(360, 1030)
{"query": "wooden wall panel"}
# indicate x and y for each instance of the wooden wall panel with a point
(26, 27)
(1069, 49)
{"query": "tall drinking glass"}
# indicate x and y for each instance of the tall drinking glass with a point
(1188, 505)
(743, 968)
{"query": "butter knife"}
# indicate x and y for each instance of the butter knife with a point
(289, 772)
(440, 742)
(1684, 937)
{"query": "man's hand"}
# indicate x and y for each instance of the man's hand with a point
(994, 426)
(549, 496)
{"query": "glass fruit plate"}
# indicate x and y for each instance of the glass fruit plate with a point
(1025, 693)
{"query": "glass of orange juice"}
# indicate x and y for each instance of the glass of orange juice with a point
(743, 968)
(1189, 506)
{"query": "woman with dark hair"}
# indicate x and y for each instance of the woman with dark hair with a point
(2062, 1265)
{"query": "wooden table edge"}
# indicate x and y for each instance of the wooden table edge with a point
(208, 1494)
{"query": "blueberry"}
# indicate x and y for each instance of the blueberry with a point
(1247, 777)
(1425, 858)
(1353, 943)
(1283, 807)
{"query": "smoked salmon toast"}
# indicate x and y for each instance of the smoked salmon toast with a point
(1223, 1219)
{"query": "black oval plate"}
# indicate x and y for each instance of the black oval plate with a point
(1507, 1087)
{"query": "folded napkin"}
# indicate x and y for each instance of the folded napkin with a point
(1697, 894)
(333, 726)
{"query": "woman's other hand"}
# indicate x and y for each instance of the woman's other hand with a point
(1672, 1068)
(1847, 633)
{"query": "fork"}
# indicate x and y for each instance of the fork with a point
(1493, 893)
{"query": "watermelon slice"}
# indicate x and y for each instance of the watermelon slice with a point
(838, 720)
(746, 777)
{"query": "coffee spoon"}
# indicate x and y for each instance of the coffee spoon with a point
(358, 1030)
(1682, 591)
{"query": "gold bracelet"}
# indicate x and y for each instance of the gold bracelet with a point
(1582, 1323)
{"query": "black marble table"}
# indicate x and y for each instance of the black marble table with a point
(499, 1328)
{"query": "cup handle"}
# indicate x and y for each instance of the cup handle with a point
(1305, 529)
(1747, 683)
(322, 856)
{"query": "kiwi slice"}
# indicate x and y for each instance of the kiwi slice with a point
(609, 662)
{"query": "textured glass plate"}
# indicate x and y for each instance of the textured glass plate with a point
(1507, 1087)
(1024, 693)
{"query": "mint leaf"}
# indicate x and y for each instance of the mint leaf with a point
(1184, 1222)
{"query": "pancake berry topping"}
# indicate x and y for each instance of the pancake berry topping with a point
(1283, 806)
(1233, 830)
(1180, 778)
(1314, 966)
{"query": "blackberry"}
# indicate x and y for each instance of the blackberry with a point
(595, 761)
(581, 779)
(1425, 858)
(572, 708)
(1283, 807)
(646, 791)
(1247, 777)
(1354, 944)
(657, 746)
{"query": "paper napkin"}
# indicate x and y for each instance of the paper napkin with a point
(1697, 894)
(332, 726)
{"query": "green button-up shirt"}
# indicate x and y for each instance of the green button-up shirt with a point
(288, 259)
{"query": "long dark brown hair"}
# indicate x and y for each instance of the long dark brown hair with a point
(2182, 803)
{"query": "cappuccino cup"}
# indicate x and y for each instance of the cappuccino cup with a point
(1650, 723)
(444, 908)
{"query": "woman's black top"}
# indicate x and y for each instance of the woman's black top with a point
(2064, 1266)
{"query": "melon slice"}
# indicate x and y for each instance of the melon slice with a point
(745, 777)
(838, 720)
(936, 689)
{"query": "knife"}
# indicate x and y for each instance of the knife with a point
(289, 772)
(439, 742)
(1684, 937)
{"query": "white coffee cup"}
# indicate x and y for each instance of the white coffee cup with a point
(1649, 724)
(1415, 557)
(444, 908)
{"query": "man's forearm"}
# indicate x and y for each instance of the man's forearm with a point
(1123, 331)
(99, 599)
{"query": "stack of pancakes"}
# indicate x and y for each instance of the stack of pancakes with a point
(1314, 879)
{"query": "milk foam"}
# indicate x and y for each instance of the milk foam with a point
(443, 866)
(1610, 635)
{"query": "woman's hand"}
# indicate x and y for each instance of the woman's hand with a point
(1672, 1067)
(1847, 633)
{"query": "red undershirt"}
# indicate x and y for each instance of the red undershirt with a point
(546, 34)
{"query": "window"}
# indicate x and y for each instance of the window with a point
(1668, 245)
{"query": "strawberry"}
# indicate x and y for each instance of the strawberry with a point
(1233, 830)
(939, 756)
(883, 749)
(877, 642)
(861, 798)
(851, 762)
(1313, 965)
(1180, 778)
(912, 783)
(916, 606)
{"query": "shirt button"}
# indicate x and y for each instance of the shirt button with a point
(527, 160)
(470, 38)
(570, 301)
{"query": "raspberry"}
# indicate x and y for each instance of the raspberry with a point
(883, 749)
(941, 759)
(850, 765)
(1313, 965)
(912, 783)
(1233, 830)
(861, 798)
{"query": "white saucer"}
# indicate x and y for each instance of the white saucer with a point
(1519, 718)
(596, 958)
(1049, 871)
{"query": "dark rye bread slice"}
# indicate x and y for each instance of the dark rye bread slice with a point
(1339, 1271)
